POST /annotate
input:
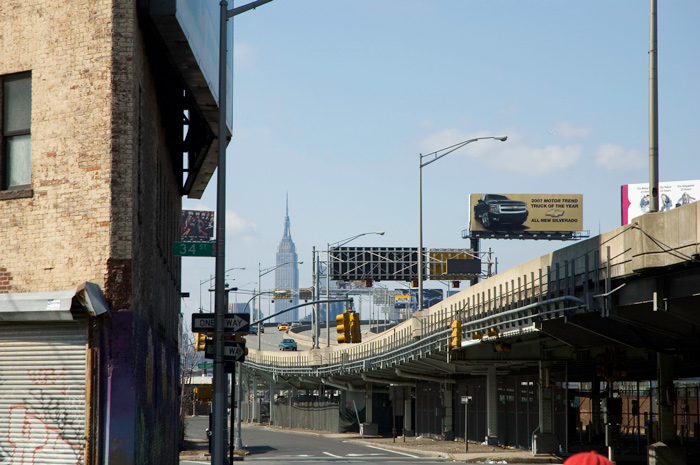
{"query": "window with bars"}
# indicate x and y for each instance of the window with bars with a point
(15, 131)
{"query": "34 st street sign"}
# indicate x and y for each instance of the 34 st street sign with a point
(234, 323)
(233, 351)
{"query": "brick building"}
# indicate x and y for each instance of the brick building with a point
(96, 96)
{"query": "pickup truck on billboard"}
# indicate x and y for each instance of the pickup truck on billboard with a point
(526, 212)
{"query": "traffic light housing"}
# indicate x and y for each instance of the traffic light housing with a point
(355, 328)
(343, 327)
(238, 337)
(456, 336)
(201, 342)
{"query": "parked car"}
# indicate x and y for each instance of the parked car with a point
(288, 344)
(283, 327)
(494, 210)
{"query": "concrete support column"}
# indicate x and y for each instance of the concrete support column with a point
(448, 432)
(256, 402)
(369, 427)
(545, 441)
(491, 406)
(666, 398)
(368, 404)
(546, 407)
(667, 451)
(408, 413)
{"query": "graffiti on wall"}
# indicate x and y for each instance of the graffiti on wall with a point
(45, 422)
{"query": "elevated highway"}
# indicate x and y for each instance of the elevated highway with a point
(619, 308)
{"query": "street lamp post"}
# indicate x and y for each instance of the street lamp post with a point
(211, 278)
(219, 381)
(421, 164)
(328, 275)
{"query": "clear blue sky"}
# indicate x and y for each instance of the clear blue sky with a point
(335, 99)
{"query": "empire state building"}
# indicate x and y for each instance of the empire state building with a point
(287, 274)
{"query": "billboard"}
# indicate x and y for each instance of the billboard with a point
(635, 197)
(526, 212)
(197, 226)
(199, 21)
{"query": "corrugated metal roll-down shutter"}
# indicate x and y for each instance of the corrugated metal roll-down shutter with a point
(42, 393)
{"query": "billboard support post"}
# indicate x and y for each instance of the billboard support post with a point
(421, 164)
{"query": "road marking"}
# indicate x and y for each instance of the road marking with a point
(332, 455)
(395, 452)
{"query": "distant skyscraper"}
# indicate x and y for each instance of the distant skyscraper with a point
(287, 275)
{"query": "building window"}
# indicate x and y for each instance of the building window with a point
(15, 131)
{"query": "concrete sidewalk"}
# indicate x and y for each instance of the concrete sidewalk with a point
(453, 450)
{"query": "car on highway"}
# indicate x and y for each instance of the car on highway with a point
(283, 327)
(495, 210)
(288, 344)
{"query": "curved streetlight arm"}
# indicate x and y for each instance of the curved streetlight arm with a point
(350, 239)
(452, 148)
(273, 268)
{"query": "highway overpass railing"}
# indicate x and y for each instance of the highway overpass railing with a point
(577, 278)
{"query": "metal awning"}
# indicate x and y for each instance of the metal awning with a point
(53, 305)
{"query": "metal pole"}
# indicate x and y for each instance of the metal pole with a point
(219, 389)
(328, 294)
(317, 308)
(420, 232)
(653, 113)
(233, 403)
(239, 442)
(466, 428)
(314, 313)
(260, 326)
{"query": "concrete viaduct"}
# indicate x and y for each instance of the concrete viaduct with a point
(545, 347)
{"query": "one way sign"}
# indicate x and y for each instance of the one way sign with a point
(234, 323)
(233, 351)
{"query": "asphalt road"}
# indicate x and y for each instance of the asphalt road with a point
(278, 447)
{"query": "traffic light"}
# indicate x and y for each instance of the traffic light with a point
(456, 339)
(239, 338)
(368, 283)
(201, 342)
(355, 328)
(343, 327)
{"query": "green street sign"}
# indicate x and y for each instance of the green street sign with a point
(194, 249)
(205, 365)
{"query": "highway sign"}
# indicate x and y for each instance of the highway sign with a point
(194, 249)
(234, 323)
(233, 351)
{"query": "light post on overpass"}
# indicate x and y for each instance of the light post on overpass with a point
(328, 275)
(421, 164)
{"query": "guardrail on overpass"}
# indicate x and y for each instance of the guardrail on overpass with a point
(575, 279)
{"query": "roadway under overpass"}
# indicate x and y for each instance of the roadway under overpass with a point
(544, 346)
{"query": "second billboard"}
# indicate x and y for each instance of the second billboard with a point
(526, 212)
